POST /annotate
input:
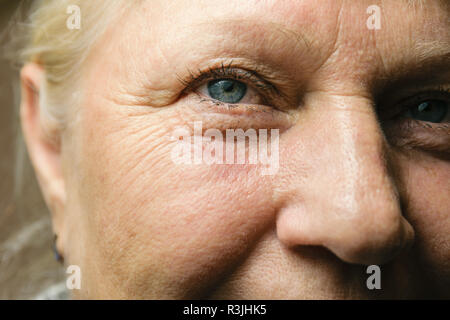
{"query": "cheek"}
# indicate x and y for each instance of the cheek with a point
(428, 185)
(156, 223)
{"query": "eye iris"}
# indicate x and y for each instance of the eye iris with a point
(430, 110)
(229, 91)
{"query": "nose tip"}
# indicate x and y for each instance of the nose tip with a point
(371, 238)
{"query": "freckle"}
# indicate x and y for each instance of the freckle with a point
(431, 171)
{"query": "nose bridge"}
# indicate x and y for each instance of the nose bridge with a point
(356, 160)
(342, 196)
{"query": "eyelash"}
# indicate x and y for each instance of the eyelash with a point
(406, 104)
(199, 77)
(440, 91)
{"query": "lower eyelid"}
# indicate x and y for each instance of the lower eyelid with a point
(419, 134)
(237, 108)
(409, 126)
(242, 115)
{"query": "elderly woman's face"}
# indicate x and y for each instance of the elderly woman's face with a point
(363, 175)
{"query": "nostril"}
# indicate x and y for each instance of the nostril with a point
(366, 255)
(376, 246)
(314, 253)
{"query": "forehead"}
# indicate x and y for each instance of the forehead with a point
(305, 19)
(297, 37)
(293, 26)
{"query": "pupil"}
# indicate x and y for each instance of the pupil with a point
(424, 106)
(228, 86)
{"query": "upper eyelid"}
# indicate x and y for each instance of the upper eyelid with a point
(227, 72)
(400, 105)
(427, 95)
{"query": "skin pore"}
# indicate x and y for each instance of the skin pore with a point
(356, 184)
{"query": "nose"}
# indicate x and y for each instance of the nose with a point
(335, 186)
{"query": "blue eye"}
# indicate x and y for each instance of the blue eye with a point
(227, 90)
(430, 111)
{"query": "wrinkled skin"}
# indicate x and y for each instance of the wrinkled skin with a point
(354, 187)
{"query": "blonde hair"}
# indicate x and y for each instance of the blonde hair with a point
(45, 38)
(38, 32)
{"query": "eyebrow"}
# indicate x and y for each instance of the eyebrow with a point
(267, 28)
(431, 52)
(426, 69)
(424, 66)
